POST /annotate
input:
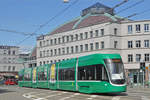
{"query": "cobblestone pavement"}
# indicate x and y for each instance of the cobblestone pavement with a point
(20, 93)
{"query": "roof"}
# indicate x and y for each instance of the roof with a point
(84, 21)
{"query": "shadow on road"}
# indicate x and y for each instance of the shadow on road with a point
(5, 91)
(111, 94)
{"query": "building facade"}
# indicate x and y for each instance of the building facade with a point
(97, 30)
(9, 61)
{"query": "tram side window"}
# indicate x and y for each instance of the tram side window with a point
(92, 72)
(41, 76)
(45, 74)
(101, 73)
(67, 74)
(86, 73)
(27, 77)
(20, 77)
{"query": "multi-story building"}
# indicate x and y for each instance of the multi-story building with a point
(32, 58)
(97, 30)
(9, 60)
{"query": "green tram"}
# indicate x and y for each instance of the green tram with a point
(96, 73)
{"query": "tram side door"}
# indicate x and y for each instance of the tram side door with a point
(52, 76)
(34, 77)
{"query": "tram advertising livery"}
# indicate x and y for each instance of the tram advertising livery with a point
(97, 73)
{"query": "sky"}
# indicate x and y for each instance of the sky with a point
(23, 17)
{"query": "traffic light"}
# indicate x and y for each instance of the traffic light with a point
(142, 65)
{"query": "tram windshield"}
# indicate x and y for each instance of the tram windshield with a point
(116, 70)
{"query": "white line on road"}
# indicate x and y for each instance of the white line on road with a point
(40, 99)
(116, 98)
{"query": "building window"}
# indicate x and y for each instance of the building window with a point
(81, 48)
(55, 51)
(9, 52)
(67, 38)
(96, 45)
(51, 42)
(76, 37)
(40, 53)
(81, 36)
(115, 31)
(138, 57)
(86, 47)
(138, 28)
(72, 49)
(40, 44)
(138, 43)
(9, 68)
(51, 52)
(63, 39)
(67, 50)
(102, 45)
(77, 50)
(86, 35)
(102, 32)
(71, 37)
(44, 63)
(146, 43)
(47, 42)
(147, 57)
(55, 41)
(130, 58)
(115, 44)
(63, 51)
(44, 54)
(40, 63)
(146, 27)
(130, 44)
(4, 52)
(91, 46)
(43, 43)
(14, 68)
(14, 52)
(96, 33)
(59, 40)
(59, 51)
(129, 28)
(91, 34)
(47, 53)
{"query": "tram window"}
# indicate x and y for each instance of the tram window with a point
(86, 73)
(20, 77)
(45, 74)
(41, 76)
(92, 72)
(67, 74)
(27, 77)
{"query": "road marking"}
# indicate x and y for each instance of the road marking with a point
(40, 99)
(40, 93)
(64, 98)
(116, 98)
(53, 95)
(144, 98)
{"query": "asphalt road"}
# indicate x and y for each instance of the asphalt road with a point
(22, 93)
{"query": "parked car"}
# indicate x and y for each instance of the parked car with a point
(10, 82)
